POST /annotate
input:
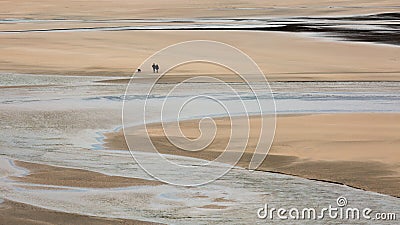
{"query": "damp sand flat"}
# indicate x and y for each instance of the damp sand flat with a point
(375, 28)
(236, 197)
(283, 57)
(20, 213)
(59, 176)
(63, 126)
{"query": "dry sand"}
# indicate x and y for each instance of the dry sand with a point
(60, 176)
(20, 213)
(359, 150)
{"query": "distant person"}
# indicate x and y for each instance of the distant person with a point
(157, 67)
(139, 70)
(154, 67)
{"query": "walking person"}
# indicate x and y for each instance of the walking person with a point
(154, 67)
(157, 67)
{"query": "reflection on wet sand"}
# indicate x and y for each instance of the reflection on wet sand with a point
(43, 129)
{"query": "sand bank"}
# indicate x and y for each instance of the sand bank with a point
(60, 176)
(280, 56)
(359, 150)
(20, 213)
(120, 9)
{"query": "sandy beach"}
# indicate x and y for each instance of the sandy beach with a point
(358, 150)
(60, 176)
(55, 157)
(183, 8)
(333, 66)
(20, 213)
(119, 53)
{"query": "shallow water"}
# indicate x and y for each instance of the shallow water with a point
(62, 125)
(243, 193)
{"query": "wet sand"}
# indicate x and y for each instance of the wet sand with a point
(376, 28)
(60, 176)
(358, 150)
(20, 213)
(281, 56)
(119, 53)
(25, 86)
